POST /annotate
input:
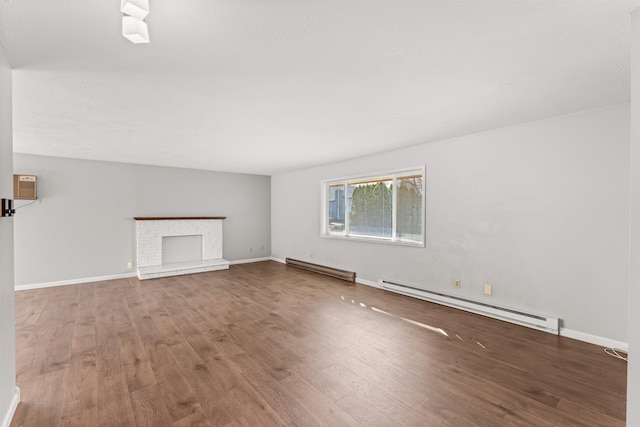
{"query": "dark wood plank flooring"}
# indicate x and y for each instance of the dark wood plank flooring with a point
(265, 344)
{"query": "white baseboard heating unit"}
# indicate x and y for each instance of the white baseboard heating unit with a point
(535, 321)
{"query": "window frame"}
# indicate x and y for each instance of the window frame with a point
(393, 175)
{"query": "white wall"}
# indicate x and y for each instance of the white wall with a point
(8, 396)
(82, 224)
(633, 373)
(539, 210)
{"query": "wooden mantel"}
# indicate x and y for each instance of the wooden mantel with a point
(170, 218)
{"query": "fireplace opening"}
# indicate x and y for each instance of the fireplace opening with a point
(177, 249)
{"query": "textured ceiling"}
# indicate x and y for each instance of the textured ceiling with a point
(276, 85)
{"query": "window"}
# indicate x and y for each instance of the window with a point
(386, 208)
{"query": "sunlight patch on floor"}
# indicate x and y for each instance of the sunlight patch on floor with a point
(413, 322)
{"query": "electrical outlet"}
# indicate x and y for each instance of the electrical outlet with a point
(250, 250)
(129, 265)
(488, 289)
(261, 248)
(457, 284)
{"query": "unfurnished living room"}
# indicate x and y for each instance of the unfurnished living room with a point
(339, 213)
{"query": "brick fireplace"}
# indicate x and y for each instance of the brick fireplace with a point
(150, 232)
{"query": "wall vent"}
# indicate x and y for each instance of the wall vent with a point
(25, 187)
(535, 321)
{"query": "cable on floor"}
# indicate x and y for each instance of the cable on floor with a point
(615, 352)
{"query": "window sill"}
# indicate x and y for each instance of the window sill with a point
(374, 240)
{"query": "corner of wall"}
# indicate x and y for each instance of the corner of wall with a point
(9, 393)
(12, 408)
(633, 368)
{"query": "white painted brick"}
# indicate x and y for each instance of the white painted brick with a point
(149, 241)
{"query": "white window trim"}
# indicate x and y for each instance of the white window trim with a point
(324, 192)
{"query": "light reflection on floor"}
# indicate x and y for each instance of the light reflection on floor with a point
(413, 322)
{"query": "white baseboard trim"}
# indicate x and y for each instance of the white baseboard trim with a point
(368, 283)
(249, 260)
(113, 277)
(594, 339)
(12, 408)
(74, 281)
(280, 260)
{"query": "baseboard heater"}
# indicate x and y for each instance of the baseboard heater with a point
(349, 276)
(535, 321)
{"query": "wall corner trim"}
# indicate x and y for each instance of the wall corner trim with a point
(6, 422)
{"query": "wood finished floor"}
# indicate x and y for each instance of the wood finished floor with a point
(264, 344)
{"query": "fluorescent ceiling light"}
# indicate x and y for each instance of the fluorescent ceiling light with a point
(136, 8)
(135, 30)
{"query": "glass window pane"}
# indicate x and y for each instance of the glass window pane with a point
(409, 221)
(383, 208)
(335, 205)
(370, 208)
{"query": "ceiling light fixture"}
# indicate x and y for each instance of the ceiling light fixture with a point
(136, 8)
(133, 26)
(135, 30)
